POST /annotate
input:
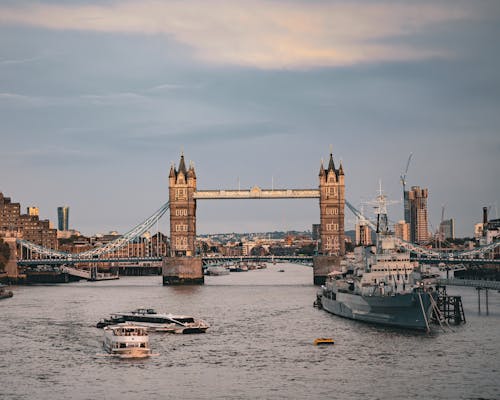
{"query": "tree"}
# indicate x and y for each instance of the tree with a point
(4, 254)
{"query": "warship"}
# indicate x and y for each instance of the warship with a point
(382, 286)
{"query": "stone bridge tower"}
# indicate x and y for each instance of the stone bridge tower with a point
(331, 203)
(331, 206)
(182, 186)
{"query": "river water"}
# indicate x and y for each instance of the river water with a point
(259, 346)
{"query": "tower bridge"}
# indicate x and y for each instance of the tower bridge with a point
(182, 265)
(183, 197)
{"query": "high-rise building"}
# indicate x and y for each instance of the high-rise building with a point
(407, 214)
(9, 214)
(33, 211)
(331, 204)
(63, 218)
(419, 231)
(402, 230)
(447, 229)
(363, 234)
(315, 231)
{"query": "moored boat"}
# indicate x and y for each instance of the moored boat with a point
(411, 310)
(154, 321)
(127, 341)
(216, 270)
(4, 293)
(382, 287)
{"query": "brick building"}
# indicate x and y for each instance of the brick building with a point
(28, 227)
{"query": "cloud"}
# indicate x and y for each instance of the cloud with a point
(18, 61)
(114, 99)
(15, 99)
(261, 34)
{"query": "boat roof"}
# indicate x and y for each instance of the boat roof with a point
(127, 327)
(151, 312)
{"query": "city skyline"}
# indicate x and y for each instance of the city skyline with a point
(106, 96)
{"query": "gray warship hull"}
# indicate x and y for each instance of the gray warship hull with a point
(403, 310)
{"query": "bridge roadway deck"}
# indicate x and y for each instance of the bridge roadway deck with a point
(207, 260)
(471, 283)
(257, 193)
(465, 261)
(65, 261)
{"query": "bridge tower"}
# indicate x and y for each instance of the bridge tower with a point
(182, 186)
(183, 266)
(331, 203)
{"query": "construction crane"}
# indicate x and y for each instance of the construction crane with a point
(403, 176)
(440, 232)
(405, 194)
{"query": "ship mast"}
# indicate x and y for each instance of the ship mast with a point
(380, 205)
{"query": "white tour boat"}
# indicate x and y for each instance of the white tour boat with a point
(127, 341)
(154, 321)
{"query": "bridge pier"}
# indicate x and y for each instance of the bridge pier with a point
(322, 266)
(182, 271)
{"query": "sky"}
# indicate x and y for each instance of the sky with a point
(99, 98)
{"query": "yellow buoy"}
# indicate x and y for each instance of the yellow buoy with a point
(323, 341)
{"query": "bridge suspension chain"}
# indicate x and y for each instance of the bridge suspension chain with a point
(116, 244)
(423, 250)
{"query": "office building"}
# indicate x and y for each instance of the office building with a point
(419, 231)
(402, 231)
(63, 218)
(9, 214)
(316, 230)
(363, 234)
(447, 229)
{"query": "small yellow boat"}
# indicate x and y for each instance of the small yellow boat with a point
(319, 341)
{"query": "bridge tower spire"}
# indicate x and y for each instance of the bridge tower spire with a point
(331, 203)
(182, 186)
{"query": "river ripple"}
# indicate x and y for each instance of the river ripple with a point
(259, 345)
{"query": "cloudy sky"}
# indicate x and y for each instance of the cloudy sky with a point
(97, 99)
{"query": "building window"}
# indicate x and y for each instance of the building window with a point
(181, 228)
(181, 212)
(181, 194)
(181, 242)
(332, 191)
(332, 211)
(332, 227)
